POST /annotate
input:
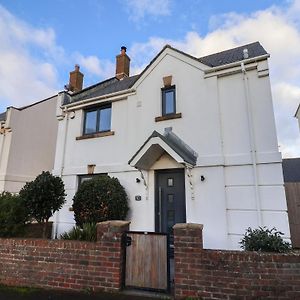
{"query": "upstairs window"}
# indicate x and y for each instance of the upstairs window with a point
(97, 120)
(168, 101)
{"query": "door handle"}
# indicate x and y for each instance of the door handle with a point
(159, 208)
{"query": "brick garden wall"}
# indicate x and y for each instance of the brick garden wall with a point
(213, 274)
(199, 273)
(66, 264)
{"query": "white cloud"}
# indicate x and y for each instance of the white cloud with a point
(25, 78)
(279, 32)
(138, 9)
(30, 60)
(94, 66)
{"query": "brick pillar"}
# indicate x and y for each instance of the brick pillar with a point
(187, 243)
(110, 237)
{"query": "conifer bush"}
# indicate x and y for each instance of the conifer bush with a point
(100, 199)
(43, 197)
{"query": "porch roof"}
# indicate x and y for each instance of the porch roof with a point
(157, 144)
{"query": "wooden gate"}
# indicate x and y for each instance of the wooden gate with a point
(292, 190)
(147, 261)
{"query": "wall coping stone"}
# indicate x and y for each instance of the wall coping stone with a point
(188, 226)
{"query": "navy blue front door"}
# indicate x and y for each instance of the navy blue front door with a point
(169, 200)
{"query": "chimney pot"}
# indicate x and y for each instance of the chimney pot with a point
(122, 64)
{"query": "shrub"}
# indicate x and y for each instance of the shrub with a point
(43, 197)
(100, 199)
(13, 215)
(265, 240)
(88, 232)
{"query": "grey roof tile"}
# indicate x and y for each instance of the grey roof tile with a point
(233, 55)
(106, 87)
(291, 169)
(113, 85)
(172, 140)
(3, 116)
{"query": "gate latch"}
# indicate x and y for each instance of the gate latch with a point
(128, 241)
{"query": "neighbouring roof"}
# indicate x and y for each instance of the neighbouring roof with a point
(291, 169)
(152, 151)
(106, 87)
(2, 116)
(296, 114)
(233, 55)
(113, 84)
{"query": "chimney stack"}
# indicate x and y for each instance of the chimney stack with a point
(122, 64)
(76, 80)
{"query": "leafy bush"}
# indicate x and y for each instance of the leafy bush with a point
(88, 232)
(13, 215)
(265, 240)
(43, 197)
(100, 199)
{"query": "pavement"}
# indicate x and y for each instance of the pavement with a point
(7, 293)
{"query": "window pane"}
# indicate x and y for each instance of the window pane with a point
(170, 182)
(90, 122)
(169, 102)
(105, 119)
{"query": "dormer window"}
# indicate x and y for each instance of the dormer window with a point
(168, 100)
(97, 120)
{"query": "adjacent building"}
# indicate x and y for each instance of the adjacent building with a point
(27, 143)
(191, 140)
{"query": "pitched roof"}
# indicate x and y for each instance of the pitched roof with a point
(2, 116)
(113, 84)
(291, 169)
(296, 113)
(187, 154)
(233, 55)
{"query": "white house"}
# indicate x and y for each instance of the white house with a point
(191, 140)
(27, 143)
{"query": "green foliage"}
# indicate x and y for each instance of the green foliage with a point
(13, 215)
(100, 199)
(43, 197)
(265, 240)
(88, 232)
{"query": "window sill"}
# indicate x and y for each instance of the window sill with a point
(95, 135)
(168, 117)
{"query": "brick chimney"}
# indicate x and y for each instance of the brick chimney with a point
(76, 80)
(122, 64)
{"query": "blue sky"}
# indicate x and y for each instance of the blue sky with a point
(40, 41)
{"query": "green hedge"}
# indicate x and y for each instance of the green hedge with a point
(13, 215)
(264, 240)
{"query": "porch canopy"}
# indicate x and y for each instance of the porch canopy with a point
(157, 145)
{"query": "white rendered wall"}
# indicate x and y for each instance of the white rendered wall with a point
(215, 124)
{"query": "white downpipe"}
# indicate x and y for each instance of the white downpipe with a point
(2, 145)
(252, 143)
(62, 167)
